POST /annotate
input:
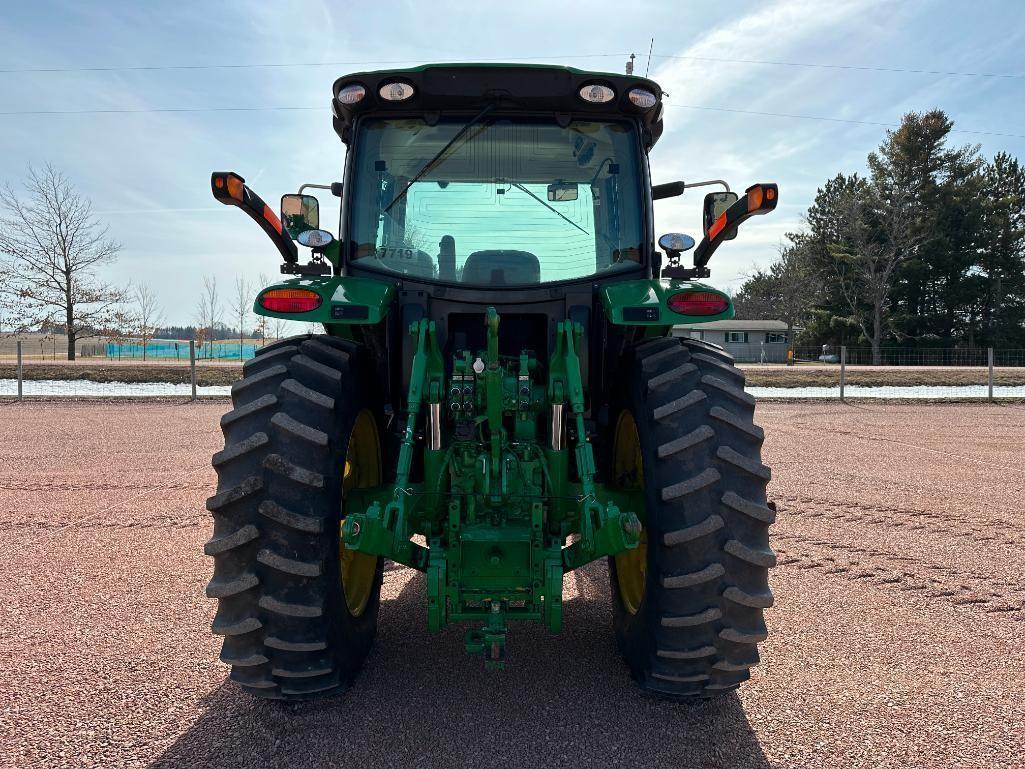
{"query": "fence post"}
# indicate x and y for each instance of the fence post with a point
(21, 397)
(843, 369)
(192, 365)
(990, 356)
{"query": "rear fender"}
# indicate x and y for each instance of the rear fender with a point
(646, 303)
(344, 300)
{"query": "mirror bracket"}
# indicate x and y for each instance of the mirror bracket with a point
(313, 268)
(685, 273)
(676, 270)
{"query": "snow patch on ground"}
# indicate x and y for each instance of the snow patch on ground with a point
(84, 387)
(917, 392)
(81, 387)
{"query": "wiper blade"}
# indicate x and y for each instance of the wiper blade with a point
(550, 208)
(431, 164)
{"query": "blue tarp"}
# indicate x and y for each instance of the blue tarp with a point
(179, 350)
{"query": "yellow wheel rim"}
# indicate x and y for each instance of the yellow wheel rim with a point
(362, 470)
(628, 473)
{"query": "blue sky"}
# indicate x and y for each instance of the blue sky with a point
(148, 173)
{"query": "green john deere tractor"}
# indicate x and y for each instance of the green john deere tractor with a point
(497, 398)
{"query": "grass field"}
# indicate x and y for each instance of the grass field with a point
(106, 371)
(878, 376)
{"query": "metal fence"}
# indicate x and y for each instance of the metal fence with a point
(966, 373)
(54, 348)
(178, 350)
(902, 356)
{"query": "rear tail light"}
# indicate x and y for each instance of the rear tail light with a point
(290, 300)
(698, 303)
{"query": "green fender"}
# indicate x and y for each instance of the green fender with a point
(345, 300)
(646, 303)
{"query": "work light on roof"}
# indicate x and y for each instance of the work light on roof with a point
(351, 93)
(396, 91)
(642, 98)
(597, 93)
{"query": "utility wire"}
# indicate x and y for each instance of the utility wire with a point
(161, 67)
(721, 60)
(118, 111)
(836, 120)
(854, 67)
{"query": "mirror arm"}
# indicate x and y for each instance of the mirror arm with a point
(667, 190)
(231, 190)
(672, 189)
(332, 186)
(707, 183)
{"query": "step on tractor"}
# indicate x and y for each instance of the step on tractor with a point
(497, 397)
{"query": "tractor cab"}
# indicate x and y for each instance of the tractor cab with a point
(509, 188)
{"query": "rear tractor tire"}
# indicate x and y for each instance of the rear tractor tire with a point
(298, 613)
(688, 601)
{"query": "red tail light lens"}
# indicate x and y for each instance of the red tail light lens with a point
(698, 303)
(290, 300)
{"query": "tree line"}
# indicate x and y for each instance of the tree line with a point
(52, 251)
(925, 250)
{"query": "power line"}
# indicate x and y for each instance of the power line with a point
(853, 67)
(159, 110)
(162, 67)
(836, 120)
(120, 111)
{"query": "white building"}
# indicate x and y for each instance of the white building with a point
(749, 341)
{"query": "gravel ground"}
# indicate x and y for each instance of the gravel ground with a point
(896, 635)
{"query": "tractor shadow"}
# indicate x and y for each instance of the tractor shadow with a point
(421, 701)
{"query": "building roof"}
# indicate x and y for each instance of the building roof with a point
(736, 325)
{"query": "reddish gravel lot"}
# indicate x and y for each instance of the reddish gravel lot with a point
(896, 635)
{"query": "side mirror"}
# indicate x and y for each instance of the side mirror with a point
(299, 213)
(675, 243)
(561, 192)
(315, 238)
(715, 206)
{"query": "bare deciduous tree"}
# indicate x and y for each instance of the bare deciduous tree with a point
(261, 320)
(240, 308)
(122, 327)
(149, 316)
(208, 310)
(880, 233)
(788, 289)
(52, 246)
(280, 328)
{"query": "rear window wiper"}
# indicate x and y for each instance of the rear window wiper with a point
(431, 164)
(550, 208)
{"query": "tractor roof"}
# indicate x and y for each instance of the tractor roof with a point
(524, 88)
